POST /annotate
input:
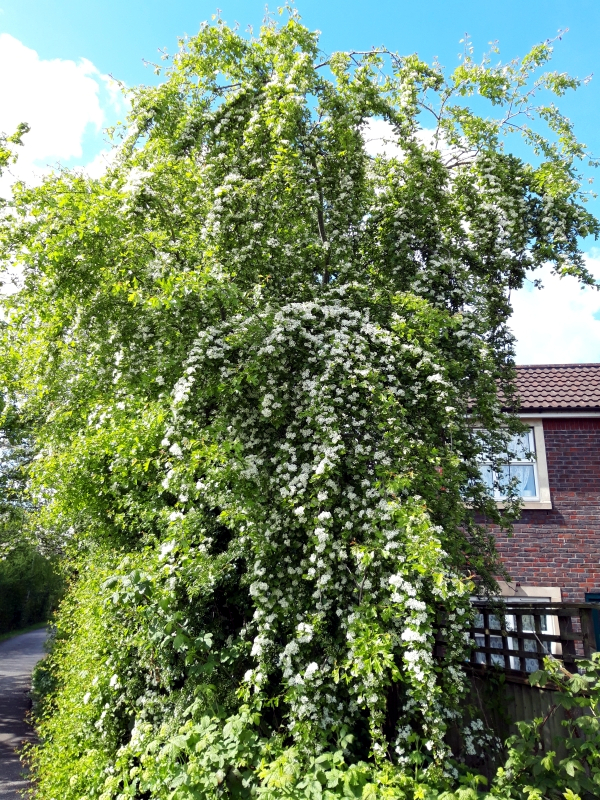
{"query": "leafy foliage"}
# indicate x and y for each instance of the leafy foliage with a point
(30, 581)
(7, 153)
(252, 355)
(531, 771)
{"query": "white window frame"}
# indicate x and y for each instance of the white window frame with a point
(516, 591)
(543, 500)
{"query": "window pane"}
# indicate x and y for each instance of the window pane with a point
(528, 623)
(480, 642)
(495, 623)
(487, 476)
(525, 476)
(521, 446)
(503, 479)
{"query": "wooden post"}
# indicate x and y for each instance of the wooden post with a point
(537, 625)
(487, 639)
(587, 631)
(568, 645)
(505, 647)
(520, 640)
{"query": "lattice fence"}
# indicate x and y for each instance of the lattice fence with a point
(516, 636)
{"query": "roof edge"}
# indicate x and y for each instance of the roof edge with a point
(558, 366)
(554, 414)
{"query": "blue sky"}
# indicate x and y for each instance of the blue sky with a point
(55, 56)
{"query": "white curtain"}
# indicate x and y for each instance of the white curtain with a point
(525, 475)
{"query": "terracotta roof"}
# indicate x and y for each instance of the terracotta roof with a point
(559, 387)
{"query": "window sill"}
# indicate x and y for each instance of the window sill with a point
(532, 505)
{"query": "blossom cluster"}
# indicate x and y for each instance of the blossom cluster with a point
(347, 571)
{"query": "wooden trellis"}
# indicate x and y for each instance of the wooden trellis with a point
(516, 637)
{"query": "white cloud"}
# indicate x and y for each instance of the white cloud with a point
(560, 323)
(381, 139)
(66, 104)
(100, 163)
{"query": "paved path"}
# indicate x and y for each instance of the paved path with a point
(18, 657)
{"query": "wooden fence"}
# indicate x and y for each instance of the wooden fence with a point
(516, 637)
(513, 638)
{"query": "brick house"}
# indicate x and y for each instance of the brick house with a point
(554, 553)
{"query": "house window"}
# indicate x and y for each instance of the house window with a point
(547, 625)
(527, 467)
(520, 470)
(529, 595)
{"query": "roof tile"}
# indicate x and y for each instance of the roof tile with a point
(559, 387)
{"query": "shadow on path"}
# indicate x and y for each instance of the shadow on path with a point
(18, 656)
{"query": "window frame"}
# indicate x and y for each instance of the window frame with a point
(543, 501)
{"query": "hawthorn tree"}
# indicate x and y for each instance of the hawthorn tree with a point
(253, 356)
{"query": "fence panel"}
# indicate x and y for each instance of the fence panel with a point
(515, 637)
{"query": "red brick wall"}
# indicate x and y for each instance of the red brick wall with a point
(561, 547)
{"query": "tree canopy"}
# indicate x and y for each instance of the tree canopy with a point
(253, 355)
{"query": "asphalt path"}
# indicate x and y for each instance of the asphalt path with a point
(18, 656)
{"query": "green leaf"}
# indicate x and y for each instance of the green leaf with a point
(571, 767)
